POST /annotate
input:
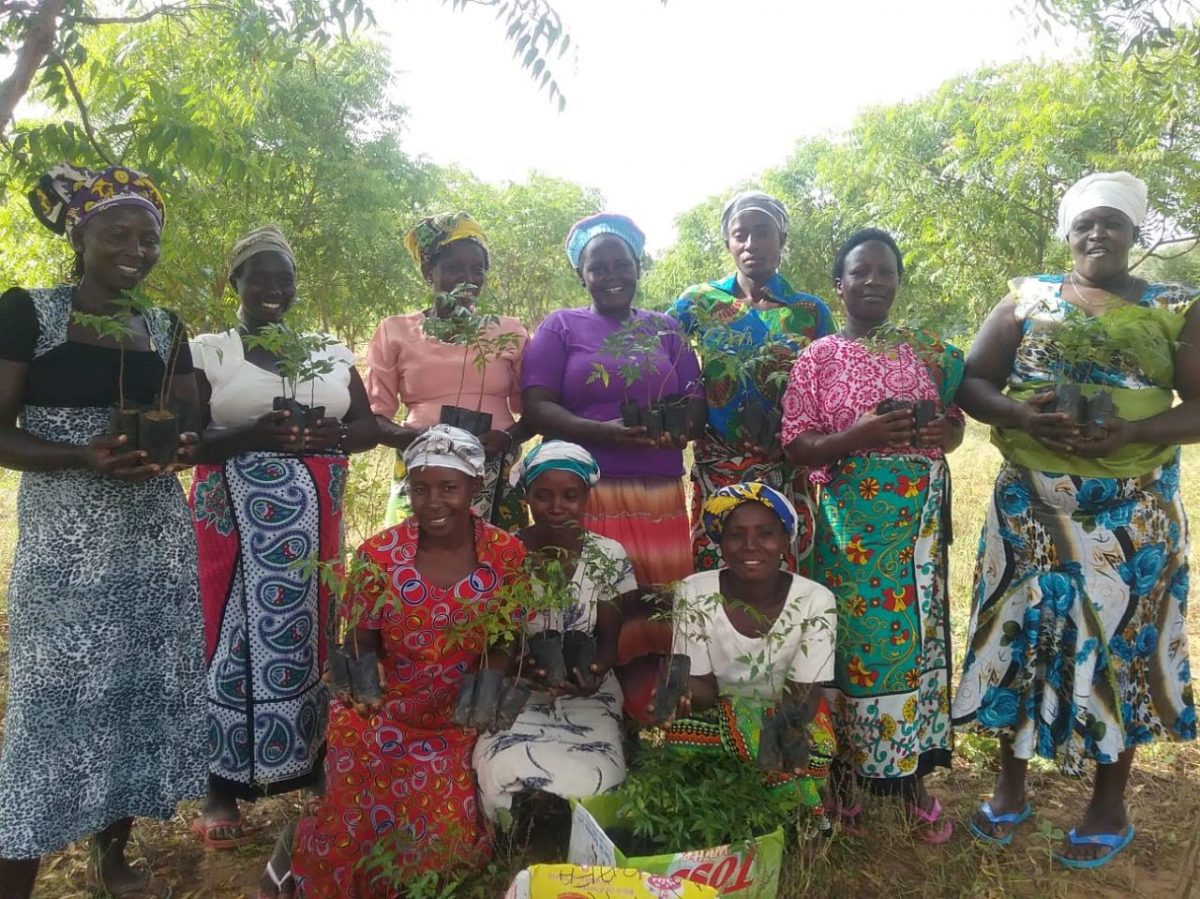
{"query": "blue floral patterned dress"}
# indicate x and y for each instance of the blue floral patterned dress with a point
(1078, 640)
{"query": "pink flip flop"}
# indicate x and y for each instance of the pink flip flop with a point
(925, 829)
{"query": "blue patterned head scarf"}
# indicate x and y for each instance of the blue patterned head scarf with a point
(555, 455)
(722, 503)
(584, 230)
(444, 446)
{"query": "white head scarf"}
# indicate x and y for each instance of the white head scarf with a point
(1116, 190)
(758, 201)
(443, 446)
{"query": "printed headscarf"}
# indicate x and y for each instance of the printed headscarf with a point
(721, 504)
(436, 231)
(267, 239)
(555, 455)
(1117, 190)
(584, 230)
(444, 446)
(756, 200)
(67, 196)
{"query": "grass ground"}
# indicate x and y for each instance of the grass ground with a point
(1164, 793)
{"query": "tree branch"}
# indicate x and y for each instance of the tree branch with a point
(81, 106)
(183, 7)
(39, 39)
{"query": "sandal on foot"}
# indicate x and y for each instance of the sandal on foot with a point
(925, 829)
(1114, 842)
(278, 879)
(1008, 819)
(204, 833)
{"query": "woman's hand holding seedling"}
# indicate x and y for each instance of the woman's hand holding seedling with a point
(189, 445)
(617, 434)
(1053, 430)
(323, 435)
(772, 453)
(275, 432)
(889, 429)
(683, 708)
(1117, 433)
(103, 457)
(496, 443)
(934, 433)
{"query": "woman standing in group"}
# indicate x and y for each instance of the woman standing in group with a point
(408, 364)
(574, 387)
(750, 326)
(269, 492)
(882, 536)
(105, 710)
(1078, 640)
(575, 380)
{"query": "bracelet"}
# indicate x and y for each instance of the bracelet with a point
(343, 432)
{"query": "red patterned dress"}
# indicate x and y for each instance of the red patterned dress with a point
(400, 792)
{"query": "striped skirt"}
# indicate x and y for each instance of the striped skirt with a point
(648, 517)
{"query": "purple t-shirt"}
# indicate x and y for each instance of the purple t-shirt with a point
(561, 357)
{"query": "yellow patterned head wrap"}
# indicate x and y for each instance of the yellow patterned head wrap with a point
(434, 232)
(719, 506)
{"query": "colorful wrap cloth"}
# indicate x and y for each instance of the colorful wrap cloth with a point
(734, 725)
(66, 196)
(434, 232)
(555, 455)
(723, 502)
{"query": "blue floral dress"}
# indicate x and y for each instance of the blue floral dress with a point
(1077, 646)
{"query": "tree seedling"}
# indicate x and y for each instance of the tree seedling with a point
(153, 429)
(636, 347)
(483, 342)
(298, 359)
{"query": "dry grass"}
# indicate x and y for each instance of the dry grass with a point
(1164, 794)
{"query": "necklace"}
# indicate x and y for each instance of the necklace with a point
(1104, 304)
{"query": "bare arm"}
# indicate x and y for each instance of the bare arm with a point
(988, 367)
(22, 451)
(19, 449)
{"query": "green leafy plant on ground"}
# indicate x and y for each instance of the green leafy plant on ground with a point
(675, 800)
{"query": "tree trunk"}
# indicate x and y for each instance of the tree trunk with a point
(39, 39)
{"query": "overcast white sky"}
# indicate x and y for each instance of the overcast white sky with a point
(670, 104)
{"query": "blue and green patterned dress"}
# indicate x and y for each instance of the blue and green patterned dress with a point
(1078, 638)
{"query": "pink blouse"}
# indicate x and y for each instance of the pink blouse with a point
(836, 380)
(404, 365)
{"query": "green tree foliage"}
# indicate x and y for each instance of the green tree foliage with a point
(968, 180)
(47, 40)
(314, 147)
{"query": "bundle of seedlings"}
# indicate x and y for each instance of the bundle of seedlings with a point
(483, 342)
(634, 347)
(299, 359)
(154, 428)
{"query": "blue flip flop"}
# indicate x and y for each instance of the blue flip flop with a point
(1009, 820)
(1115, 842)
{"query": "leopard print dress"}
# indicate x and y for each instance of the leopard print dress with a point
(105, 716)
